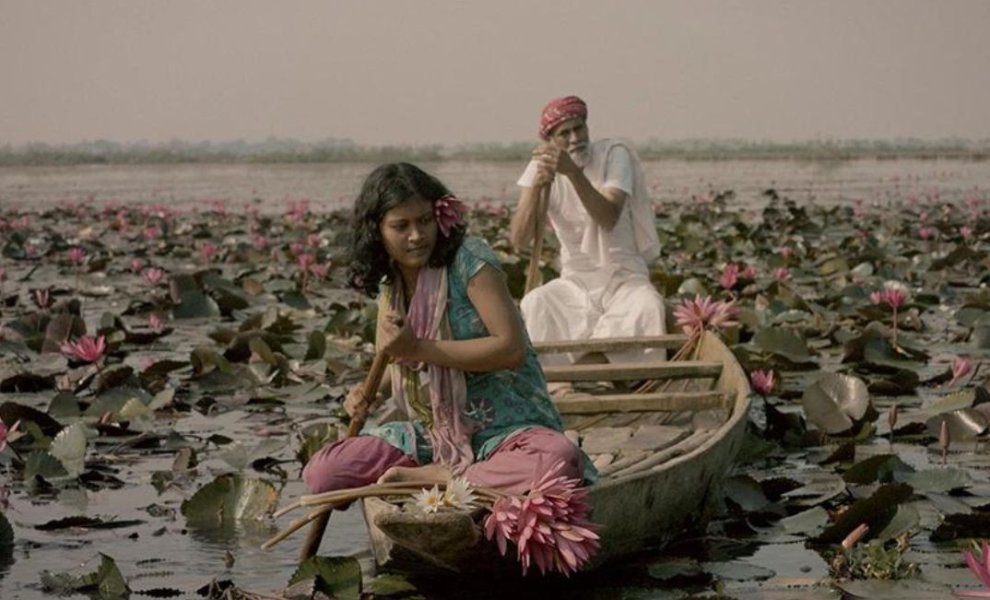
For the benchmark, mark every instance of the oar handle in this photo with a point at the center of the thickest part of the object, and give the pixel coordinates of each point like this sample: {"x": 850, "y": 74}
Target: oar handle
{"x": 369, "y": 391}
{"x": 533, "y": 278}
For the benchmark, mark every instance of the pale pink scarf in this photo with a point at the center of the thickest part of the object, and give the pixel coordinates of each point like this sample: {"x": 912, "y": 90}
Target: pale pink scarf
{"x": 451, "y": 429}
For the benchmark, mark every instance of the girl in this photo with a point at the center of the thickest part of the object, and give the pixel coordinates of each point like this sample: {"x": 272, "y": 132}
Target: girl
{"x": 463, "y": 369}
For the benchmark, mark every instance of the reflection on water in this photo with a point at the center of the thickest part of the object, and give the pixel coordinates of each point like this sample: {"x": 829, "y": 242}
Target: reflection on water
{"x": 162, "y": 551}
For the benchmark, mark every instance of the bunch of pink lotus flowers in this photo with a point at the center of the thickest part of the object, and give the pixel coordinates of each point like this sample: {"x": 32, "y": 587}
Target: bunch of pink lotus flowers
{"x": 694, "y": 316}
{"x": 548, "y": 525}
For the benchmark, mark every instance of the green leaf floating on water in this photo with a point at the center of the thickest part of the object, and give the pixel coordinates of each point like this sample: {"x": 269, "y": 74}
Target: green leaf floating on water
{"x": 836, "y": 402}
{"x": 784, "y": 343}
{"x": 6, "y": 532}
{"x": 69, "y": 447}
{"x": 230, "y": 497}
{"x": 106, "y": 582}
{"x": 336, "y": 576}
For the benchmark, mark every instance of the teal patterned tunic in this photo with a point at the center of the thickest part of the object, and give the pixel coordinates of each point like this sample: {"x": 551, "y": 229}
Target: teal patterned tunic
{"x": 503, "y": 402}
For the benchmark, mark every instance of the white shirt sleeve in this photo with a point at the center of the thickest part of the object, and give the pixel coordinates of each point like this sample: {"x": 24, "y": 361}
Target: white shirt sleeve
{"x": 618, "y": 170}
{"x": 528, "y": 178}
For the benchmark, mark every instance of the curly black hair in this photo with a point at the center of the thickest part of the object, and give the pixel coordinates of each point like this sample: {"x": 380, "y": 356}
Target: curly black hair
{"x": 385, "y": 188}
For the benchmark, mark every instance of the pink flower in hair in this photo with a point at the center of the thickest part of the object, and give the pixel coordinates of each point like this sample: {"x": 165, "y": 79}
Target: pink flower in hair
{"x": 449, "y": 212}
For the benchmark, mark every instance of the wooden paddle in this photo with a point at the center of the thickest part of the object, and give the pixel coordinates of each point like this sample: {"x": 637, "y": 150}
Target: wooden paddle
{"x": 369, "y": 392}
{"x": 533, "y": 276}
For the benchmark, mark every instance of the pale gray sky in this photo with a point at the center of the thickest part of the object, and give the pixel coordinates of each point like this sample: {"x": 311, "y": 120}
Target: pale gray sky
{"x": 453, "y": 71}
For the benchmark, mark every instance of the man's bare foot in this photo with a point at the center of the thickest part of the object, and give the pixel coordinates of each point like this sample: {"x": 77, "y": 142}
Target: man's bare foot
{"x": 432, "y": 473}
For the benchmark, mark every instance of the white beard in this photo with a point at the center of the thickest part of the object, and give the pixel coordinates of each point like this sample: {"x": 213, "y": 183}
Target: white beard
{"x": 581, "y": 158}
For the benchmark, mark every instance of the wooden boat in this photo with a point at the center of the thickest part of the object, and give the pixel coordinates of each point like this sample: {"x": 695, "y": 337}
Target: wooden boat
{"x": 662, "y": 455}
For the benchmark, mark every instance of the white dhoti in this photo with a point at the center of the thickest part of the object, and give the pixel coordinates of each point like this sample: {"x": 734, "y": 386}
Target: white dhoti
{"x": 583, "y": 307}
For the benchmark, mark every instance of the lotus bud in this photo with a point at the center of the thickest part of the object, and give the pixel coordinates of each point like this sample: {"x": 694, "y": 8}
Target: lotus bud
{"x": 855, "y": 536}
{"x": 943, "y": 440}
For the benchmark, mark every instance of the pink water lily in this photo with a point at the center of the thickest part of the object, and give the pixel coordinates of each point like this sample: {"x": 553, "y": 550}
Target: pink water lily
{"x": 762, "y": 381}
{"x": 781, "y": 273}
{"x": 5, "y": 433}
{"x": 548, "y": 525}
{"x": 320, "y": 270}
{"x": 730, "y": 276}
{"x": 208, "y": 251}
{"x": 155, "y": 323}
{"x": 980, "y": 566}
{"x": 136, "y": 265}
{"x": 449, "y": 213}
{"x": 87, "y": 348}
{"x": 694, "y": 316}
{"x": 42, "y": 297}
{"x": 305, "y": 261}
{"x": 76, "y": 255}
{"x": 961, "y": 366}
{"x": 153, "y": 275}
{"x": 261, "y": 242}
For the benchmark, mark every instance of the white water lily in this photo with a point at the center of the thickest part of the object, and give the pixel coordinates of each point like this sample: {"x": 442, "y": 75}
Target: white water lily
{"x": 459, "y": 494}
{"x": 429, "y": 500}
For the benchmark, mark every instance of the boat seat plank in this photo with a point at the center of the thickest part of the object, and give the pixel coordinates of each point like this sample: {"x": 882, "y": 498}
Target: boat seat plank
{"x": 581, "y": 404}
{"x": 633, "y": 371}
{"x": 672, "y": 341}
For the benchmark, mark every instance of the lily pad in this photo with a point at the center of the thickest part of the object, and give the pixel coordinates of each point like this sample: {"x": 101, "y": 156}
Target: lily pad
{"x": 6, "y": 533}
{"x": 882, "y": 468}
{"x": 884, "y": 589}
{"x": 875, "y": 511}
{"x": 230, "y": 497}
{"x": 339, "y": 576}
{"x": 810, "y": 522}
{"x": 965, "y": 424}
{"x": 69, "y": 447}
{"x": 665, "y": 570}
{"x": 941, "y": 480}
{"x": 784, "y": 343}
{"x": 836, "y": 402}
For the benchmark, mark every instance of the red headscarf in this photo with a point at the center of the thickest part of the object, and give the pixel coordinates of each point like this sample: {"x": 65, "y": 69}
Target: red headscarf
{"x": 559, "y": 110}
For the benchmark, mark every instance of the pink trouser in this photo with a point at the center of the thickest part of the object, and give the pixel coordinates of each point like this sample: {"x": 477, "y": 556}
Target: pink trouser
{"x": 513, "y": 467}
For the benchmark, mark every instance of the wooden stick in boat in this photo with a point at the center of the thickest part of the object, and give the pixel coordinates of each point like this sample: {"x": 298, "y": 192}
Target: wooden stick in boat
{"x": 533, "y": 278}
{"x": 370, "y": 389}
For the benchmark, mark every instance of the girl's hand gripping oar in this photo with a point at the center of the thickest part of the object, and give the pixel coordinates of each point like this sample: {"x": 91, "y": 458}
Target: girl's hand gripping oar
{"x": 369, "y": 394}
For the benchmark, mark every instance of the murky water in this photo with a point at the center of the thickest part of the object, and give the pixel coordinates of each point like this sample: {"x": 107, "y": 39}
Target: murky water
{"x": 161, "y": 551}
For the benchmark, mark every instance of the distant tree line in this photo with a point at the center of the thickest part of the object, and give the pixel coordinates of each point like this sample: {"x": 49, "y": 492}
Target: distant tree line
{"x": 278, "y": 150}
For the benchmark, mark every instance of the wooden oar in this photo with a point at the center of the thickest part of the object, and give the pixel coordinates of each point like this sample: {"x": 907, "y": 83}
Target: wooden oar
{"x": 370, "y": 390}
{"x": 533, "y": 276}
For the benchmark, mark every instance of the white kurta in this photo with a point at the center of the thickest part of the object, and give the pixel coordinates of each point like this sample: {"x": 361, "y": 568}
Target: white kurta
{"x": 604, "y": 289}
